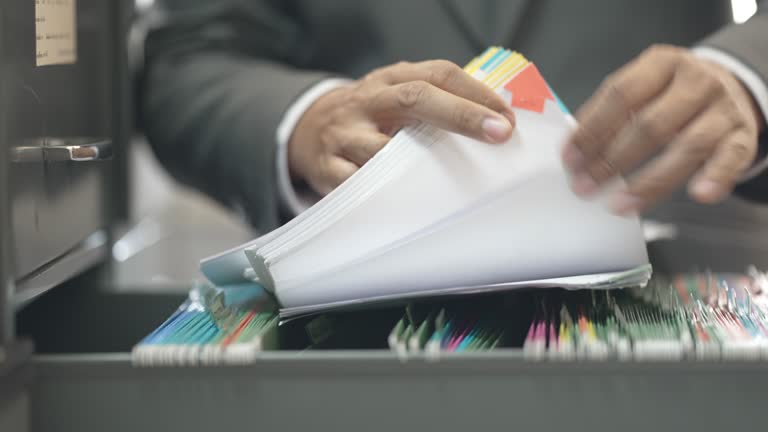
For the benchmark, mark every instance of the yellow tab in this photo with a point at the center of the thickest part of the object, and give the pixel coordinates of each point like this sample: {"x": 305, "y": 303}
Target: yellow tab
{"x": 501, "y": 67}
{"x": 484, "y": 58}
{"x": 511, "y": 66}
{"x": 508, "y": 74}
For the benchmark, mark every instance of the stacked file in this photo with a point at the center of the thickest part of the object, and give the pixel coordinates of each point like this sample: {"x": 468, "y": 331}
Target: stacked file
{"x": 698, "y": 316}
{"x": 212, "y": 328}
{"x": 695, "y": 316}
{"x": 454, "y": 327}
{"x": 435, "y": 214}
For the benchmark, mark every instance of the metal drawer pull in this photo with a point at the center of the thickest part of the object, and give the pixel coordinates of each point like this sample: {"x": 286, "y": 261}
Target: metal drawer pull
{"x": 59, "y": 150}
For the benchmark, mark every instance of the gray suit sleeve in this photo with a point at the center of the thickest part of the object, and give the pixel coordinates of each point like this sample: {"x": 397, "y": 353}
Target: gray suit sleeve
{"x": 748, "y": 42}
{"x": 217, "y": 77}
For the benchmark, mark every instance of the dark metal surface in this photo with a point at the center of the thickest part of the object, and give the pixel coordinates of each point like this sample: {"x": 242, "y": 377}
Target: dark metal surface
{"x": 85, "y": 255}
{"x": 15, "y": 399}
{"x": 6, "y": 275}
{"x": 377, "y": 392}
{"x": 117, "y": 204}
{"x": 16, "y": 375}
{"x": 13, "y": 356}
{"x": 57, "y": 203}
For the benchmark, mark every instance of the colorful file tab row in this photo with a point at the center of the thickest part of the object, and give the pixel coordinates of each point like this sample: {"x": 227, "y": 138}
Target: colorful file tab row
{"x": 521, "y": 80}
{"x": 207, "y": 330}
{"x": 700, "y": 316}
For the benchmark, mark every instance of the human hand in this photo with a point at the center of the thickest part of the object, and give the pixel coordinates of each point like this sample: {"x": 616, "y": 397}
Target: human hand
{"x": 682, "y": 118}
{"x": 346, "y": 127}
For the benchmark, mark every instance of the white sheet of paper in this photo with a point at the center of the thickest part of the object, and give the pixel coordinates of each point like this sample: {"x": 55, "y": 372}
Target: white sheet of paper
{"x": 382, "y": 247}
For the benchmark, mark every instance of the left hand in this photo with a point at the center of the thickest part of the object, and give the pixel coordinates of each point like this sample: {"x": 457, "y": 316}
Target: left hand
{"x": 682, "y": 118}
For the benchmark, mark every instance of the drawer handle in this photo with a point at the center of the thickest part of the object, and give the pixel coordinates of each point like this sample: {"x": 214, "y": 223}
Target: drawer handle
{"x": 60, "y": 150}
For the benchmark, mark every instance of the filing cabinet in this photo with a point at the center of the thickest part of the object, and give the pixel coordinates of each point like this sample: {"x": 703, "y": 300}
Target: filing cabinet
{"x": 61, "y": 130}
{"x": 59, "y": 137}
{"x": 62, "y": 71}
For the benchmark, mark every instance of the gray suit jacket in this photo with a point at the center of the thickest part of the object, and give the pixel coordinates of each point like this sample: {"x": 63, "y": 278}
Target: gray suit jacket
{"x": 219, "y": 74}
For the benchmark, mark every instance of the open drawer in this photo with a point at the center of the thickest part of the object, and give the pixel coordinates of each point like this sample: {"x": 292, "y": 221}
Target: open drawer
{"x": 374, "y": 391}
{"x": 85, "y": 382}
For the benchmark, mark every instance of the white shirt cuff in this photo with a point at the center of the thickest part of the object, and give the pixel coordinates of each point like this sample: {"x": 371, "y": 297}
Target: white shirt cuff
{"x": 751, "y": 81}
{"x": 298, "y": 201}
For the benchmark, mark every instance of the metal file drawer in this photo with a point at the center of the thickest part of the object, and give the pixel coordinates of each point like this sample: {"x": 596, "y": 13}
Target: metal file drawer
{"x": 55, "y": 206}
{"x": 85, "y": 380}
{"x": 374, "y": 391}
{"x": 93, "y": 387}
{"x": 59, "y": 135}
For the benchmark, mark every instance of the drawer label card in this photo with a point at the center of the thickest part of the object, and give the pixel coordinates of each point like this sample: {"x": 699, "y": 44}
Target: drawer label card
{"x": 56, "y": 32}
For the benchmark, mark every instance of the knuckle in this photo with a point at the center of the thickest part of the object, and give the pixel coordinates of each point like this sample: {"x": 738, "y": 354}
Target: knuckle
{"x": 616, "y": 89}
{"x": 345, "y": 145}
{"x": 359, "y": 99}
{"x": 663, "y": 52}
{"x": 373, "y": 75}
{"x": 588, "y": 140}
{"x": 689, "y": 63}
{"x": 330, "y": 131}
{"x": 382, "y": 73}
{"x": 727, "y": 118}
{"x": 326, "y": 136}
{"x": 650, "y": 187}
{"x": 699, "y": 148}
{"x": 737, "y": 116}
{"x": 467, "y": 119}
{"x": 359, "y": 96}
{"x": 740, "y": 150}
{"x": 412, "y": 93}
{"x": 611, "y": 80}
{"x": 442, "y": 72}
{"x": 710, "y": 84}
{"x": 602, "y": 169}
{"x": 376, "y": 74}
{"x": 651, "y": 126}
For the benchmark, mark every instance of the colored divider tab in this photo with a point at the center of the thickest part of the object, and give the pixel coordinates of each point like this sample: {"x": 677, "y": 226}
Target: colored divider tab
{"x": 529, "y": 90}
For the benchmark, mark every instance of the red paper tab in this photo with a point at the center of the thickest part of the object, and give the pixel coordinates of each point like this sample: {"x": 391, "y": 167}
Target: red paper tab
{"x": 529, "y": 90}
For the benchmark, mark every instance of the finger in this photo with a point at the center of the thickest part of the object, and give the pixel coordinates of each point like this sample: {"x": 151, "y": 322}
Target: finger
{"x": 654, "y": 126}
{"x": 682, "y": 158}
{"x": 719, "y": 175}
{"x": 449, "y": 77}
{"x": 615, "y": 101}
{"x": 360, "y": 145}
{"x": 337, "y": 171}
{"x": 424, "y": 102}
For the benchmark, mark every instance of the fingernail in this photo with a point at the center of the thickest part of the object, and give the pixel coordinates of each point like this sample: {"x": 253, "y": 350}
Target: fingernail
{"x": 583, "y": 184}
{"x": 624, "y": 204}
{"x": 572, "y": 156}
{"x": 708, "y": 190}
{"x": 497, "y": 129}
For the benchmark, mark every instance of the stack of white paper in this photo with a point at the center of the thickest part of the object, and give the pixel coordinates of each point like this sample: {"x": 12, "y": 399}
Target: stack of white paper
{"x": 437, "y": 213}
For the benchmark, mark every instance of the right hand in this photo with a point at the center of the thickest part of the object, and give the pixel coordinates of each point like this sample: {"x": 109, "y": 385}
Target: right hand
{"x": 346, "y": 127}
